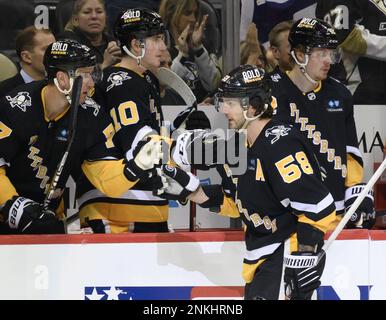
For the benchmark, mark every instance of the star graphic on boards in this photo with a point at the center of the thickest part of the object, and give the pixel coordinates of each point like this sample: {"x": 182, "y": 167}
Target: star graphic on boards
{"x": 94, "y": 295}
{"x": 113, "y": 293}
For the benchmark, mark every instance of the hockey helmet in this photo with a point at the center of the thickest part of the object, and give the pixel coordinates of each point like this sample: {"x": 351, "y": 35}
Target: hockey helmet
{"x": 67, "y": 55}
{"x": 137, "y": 23}
{"x": 247, "y": 83}
{"x": 312, "y": 33}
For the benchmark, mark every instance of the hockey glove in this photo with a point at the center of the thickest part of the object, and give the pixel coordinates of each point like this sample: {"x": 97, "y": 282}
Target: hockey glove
{"x": 301, "y": 281}
{"x": 176, "y": 183}
{"x": 139, "y": 162}
{"x": 195, "y": 148}
{"x": 364, "y": 215}
{"x": 28, "y": 216}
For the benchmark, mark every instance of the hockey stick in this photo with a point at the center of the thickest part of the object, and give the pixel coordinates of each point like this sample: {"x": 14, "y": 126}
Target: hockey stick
{"x": 354, "y": 206}
{"x": 75, "y": 96}
{"x": 172, "y": 80}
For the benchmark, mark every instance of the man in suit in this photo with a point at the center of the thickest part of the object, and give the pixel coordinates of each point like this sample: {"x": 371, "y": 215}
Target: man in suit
{"x": 31, "y": 44}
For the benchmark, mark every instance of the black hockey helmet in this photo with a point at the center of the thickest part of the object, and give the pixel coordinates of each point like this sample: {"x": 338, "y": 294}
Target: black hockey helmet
{"x": 138, "y": 23}
{"x": 250, "y": 84}
{"x": 312, "y": 33}
{"x": 67, "y": 55}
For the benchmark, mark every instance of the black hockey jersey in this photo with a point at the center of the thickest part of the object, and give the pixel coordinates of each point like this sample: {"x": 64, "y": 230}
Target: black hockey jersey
{"x": 133, "y": 102}
{"x": 280, "y": 193}
{"x": 361, "y": 29}
{"x": 31, "y": 146}
{"x": 325, "y": 117}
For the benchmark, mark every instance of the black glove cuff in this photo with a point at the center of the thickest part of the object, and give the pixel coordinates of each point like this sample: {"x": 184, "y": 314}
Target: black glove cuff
{"x": 133, "y": 172}
{"x": 308, "y": 235}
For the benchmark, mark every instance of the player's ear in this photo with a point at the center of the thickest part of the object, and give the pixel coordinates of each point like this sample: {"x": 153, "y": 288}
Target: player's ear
{"x": 63, "y": 79}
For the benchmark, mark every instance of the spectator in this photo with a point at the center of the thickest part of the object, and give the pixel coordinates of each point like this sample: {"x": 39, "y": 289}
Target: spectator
{"x": 31, "y": 44}
{"x": 361, "y": 31}
{"x": 88, "y": 25}
{"x": 191, "y": 60}
{"x": 251, "y": 52}
{"x": 280, "y": 47}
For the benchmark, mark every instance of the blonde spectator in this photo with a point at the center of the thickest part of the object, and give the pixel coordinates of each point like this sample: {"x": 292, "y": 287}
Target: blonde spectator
{"x": 88, "y": 25}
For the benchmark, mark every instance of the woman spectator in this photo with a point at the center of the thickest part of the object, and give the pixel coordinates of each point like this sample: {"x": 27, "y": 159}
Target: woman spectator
{"x": 191, "y": 61}
{"x": 88, "y": 25}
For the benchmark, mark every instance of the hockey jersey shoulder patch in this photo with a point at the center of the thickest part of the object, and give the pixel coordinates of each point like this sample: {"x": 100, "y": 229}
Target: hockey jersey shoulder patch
{"x": 276, "y": 132}
{"x": 22, "y": 100}
{"x": 116, "y": 79}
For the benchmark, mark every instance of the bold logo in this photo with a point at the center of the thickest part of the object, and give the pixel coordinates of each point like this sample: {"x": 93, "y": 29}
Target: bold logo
{"x": 251, "y": 75}
{"x": 307, "y": 23}
{"x": 277, "y": 132}
{"x": 22, "y": 100}
{"x": 132, "y": 16}
{"x": 382, "y": 26}
{"x": 117, "y": 79}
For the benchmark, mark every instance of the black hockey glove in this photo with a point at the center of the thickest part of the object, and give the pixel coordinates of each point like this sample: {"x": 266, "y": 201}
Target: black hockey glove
{"x": 141, "y": 159}
{"x": 176, "y": 183}
{"x": 302, "y": 274}
{"x": 364, "y": 215}
{"x": 28, "y": 216}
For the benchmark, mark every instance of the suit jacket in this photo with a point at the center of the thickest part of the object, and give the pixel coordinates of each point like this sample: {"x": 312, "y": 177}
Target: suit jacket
{"x": 11, "y": 83}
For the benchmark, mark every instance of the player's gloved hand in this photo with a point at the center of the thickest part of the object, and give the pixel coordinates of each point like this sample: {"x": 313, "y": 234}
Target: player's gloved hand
{"x": 142, "y": 158}
{"x": 176, "y": 184}
{"x": 193, "y": 147}
{"x": 364, "y": 215}
{"x": 28, "y": 216}
{"x": 302, "y": 274}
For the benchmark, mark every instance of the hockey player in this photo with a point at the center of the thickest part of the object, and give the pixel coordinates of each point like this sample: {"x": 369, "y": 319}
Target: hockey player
{"x": 130, "y": 92}
{"x": 281, "y": 198}
{"x": 34, "y": 130}
{"x": 322, "y": 109}
{"x": 361, "y": 30}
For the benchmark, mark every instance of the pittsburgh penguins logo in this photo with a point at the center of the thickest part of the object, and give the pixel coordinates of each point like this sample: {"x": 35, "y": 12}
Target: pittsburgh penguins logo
{"x": 277, "y": 132}
{"x": 90, "y": 103}
{"x": 116, "y": 79}
{"x": 22, "y": 100}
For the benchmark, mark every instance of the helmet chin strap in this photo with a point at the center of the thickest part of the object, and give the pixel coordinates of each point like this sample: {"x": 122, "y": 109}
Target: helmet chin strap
{"x": 138, "y": 58}
{"x": 303, "y": 67}
{"x": 248, "y": 120}
{"x": 67, "y": 93}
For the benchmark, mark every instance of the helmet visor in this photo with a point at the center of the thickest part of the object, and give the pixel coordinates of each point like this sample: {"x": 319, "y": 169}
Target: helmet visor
{"x": 334, "y": 55}
{"x": 223, "y": 103}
